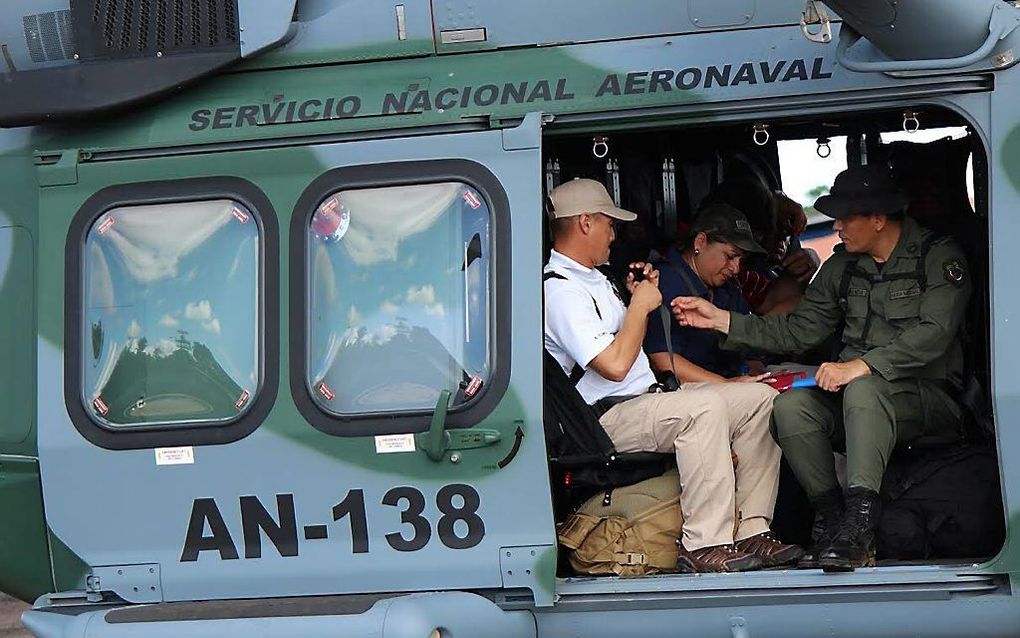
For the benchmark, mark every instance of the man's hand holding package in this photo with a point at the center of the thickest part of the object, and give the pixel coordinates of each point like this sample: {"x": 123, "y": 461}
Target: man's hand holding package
{"x": 833, "y": 376}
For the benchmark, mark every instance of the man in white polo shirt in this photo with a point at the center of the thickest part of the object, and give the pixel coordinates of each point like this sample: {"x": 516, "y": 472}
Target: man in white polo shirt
{"x": 727, "y": 509}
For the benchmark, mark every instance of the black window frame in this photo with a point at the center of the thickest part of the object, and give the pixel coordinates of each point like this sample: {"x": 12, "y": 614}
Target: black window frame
{"x": 174, "y": 192}
{"x": 410, "y": 173}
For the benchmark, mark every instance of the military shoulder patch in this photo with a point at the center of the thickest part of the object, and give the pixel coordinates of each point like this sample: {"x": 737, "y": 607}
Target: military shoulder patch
{"x": 953, "y": 271}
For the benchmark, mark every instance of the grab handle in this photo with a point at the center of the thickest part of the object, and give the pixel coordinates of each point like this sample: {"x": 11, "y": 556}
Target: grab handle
{"x": 1004, "y": 20}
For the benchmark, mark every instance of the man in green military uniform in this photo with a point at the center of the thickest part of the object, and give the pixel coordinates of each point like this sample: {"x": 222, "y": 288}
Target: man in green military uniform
{"x": 898, "y": 292}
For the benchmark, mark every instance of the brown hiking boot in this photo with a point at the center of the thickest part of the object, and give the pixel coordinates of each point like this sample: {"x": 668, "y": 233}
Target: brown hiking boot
{"x": 771, "y": 552}
{"x": 717, "y": 558}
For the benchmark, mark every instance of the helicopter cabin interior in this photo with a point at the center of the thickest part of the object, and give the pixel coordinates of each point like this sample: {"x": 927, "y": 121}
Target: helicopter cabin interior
{"x": 663, "y": 173}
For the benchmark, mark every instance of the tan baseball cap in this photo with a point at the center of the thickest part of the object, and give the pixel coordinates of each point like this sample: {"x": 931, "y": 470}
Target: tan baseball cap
{"x": 584, "y": 196}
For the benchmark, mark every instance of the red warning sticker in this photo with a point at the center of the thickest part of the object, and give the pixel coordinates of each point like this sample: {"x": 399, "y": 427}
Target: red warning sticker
{"x": 240, "y": 215}
{"x": 472, "y": 200}
{"x": 242, "y": 400}
{"x": 331, "y": 220}
{"x": 100, "y": 406}
{"x": 473, "y": 387}
{"x": 325, "y": 391}
{"x": 330, "y": 204}
{"x": 105, "y": 225}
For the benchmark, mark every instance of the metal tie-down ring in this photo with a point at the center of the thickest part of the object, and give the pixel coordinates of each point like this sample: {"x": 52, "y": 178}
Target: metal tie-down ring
{"x": 823, "y": 150}
{"x": 910, "y": 122}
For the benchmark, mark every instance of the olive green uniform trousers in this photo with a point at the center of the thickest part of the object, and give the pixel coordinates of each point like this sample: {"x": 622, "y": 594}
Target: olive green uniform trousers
{"x": 902, "y": 318}
{"x": 867, "y": 420}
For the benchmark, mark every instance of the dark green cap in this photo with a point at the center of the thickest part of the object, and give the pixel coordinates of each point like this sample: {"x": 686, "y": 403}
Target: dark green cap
{"x": 724, "y": 222}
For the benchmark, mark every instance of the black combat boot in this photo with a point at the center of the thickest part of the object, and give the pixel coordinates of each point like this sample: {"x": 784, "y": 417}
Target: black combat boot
{"x": 828, "y": 516}
{"x": 854, "y": 544}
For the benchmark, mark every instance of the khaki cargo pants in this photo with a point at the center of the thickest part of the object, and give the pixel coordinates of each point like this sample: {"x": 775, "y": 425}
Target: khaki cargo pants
{"x": 702, "y": 423}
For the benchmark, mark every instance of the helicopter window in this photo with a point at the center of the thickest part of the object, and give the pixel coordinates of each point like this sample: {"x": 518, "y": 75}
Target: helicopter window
{"x": 399, "y": 297}
{"x": 171, "y": 309}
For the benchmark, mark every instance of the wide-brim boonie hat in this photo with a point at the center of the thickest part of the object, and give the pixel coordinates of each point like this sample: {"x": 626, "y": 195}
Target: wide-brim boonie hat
{"x": 580, "y": 196}
{"x": 862, "y": 190}
{"x": 728, "y": 224}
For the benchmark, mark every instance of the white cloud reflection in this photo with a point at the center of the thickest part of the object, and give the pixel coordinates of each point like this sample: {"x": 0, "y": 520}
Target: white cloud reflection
{"x": 383, "y": 217}
{"x": 354, "y": 317}
{"x": 100, "y": 282}
{"x": 423, "y": 295}
{"x": 212, "y": 326}
{"x": 153, "y": 239}
{"x": 201, "y": 311}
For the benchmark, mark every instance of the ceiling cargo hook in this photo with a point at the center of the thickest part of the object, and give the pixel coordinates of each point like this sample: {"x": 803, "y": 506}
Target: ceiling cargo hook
{"x": 761, "y": 134}
{"x": 600, "y": 147}
{"x": 910, "y": 122}
{"x": 815, "y": 14}
{"x": 824, "y": 149}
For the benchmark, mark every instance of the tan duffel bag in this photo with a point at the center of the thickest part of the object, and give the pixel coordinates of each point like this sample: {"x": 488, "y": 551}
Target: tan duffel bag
{"x": 636, "y": 534}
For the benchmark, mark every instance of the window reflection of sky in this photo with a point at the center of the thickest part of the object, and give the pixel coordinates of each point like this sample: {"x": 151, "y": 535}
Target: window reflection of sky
{"x": 388, "y": 318}
{"x": 162, "y": 277}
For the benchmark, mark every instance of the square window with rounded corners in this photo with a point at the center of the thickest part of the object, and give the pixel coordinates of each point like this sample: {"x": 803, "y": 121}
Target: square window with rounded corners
{"x": 399, "y": 298}
{"x": 171, "y": 314}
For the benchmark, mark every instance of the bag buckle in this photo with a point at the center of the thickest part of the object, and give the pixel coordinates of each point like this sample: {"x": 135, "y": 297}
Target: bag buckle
{"x": 631, "y": 558}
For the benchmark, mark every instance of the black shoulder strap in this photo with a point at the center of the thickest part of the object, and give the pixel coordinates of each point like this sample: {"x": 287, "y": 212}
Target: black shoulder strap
{"x": 849, "y": 270}
{"x": 920, "y": 274}
{"x": 922, "y": 257}
{"x": 683, "y": 275}
{"x": 577, "y": 371}
{"x": 555, "y": 275}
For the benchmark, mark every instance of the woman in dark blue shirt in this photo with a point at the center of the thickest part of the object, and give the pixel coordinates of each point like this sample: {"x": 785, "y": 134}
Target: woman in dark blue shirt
{"x": 704, "y": 266}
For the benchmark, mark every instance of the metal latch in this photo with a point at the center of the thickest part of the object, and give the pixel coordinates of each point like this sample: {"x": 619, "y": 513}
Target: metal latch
{"x": 438, "y": 441}
{"x": 815, "y": 14}
{"x": 60, "y": 167}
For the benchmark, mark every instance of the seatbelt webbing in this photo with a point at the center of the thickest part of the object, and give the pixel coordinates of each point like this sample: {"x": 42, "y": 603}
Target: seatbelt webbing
{"x": 667, "y": 324}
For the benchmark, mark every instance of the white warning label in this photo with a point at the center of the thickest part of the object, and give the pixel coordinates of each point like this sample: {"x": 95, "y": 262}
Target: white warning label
{"x": 394, "y": 443}
{"x": 175, "y": 455}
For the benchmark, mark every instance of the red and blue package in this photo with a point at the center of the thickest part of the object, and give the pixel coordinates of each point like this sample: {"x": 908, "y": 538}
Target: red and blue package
{"x": 784, "y": 380}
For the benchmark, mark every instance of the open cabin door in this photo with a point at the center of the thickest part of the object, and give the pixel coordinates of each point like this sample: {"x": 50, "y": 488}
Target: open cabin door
{"x": 327, "y": 359}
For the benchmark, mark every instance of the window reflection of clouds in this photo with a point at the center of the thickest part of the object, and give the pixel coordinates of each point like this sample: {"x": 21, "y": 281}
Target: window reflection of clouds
{"x": 387, "y": 312}
{"x": 381, "y": 218}
{"x": 172, "y": 307}
{"x": 152, "y": 243}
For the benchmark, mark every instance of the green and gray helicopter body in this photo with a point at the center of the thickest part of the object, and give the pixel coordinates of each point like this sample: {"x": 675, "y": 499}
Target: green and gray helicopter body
{"x": 268, "y": 412}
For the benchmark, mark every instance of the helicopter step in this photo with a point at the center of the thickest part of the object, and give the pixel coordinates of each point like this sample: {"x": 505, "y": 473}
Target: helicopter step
{"x": 402, "y": 616}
